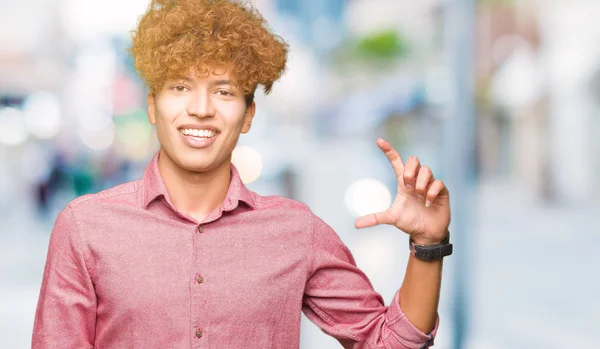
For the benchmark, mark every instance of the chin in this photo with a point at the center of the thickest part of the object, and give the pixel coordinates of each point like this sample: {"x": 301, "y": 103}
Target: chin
{"x": 194, "y": 160}
{"x": 199, "y": 163}
{"x": 196, "y": 165}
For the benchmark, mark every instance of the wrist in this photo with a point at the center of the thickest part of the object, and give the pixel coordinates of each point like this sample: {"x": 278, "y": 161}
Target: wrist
{"x": 428, "y": 242}
{"x": 428, "y": 251}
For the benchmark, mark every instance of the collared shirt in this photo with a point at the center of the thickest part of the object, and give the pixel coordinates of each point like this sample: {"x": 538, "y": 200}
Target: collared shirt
{"x": 125, "y": 269}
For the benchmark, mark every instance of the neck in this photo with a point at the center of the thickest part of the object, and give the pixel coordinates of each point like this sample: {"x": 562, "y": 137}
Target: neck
{"x": 196, "y": 194}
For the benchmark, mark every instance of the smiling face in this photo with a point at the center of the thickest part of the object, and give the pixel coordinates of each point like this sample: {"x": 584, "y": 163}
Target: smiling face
{"x": 199, "y": 119}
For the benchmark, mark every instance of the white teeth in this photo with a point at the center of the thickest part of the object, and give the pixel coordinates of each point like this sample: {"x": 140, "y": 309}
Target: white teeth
{"x": 198, "y": 133}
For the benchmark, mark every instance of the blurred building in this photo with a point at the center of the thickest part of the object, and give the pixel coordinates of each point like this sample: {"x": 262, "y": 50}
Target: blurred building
{"x": 538, "y": 120}
{"x": 73, "y": 121}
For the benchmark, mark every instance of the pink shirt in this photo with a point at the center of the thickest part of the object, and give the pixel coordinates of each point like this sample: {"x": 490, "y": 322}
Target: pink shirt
{"x": 125, "y": 269}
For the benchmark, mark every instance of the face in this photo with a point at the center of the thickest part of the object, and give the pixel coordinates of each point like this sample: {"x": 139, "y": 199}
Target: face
{"x": 199, "y": 119}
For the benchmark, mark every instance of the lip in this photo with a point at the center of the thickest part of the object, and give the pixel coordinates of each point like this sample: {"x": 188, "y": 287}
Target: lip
{"x": 198, "y": 142}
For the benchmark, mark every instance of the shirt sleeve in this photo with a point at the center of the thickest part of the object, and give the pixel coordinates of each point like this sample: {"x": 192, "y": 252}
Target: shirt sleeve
{"x": 66, "y": 309}
{"x": 340, "y": 299}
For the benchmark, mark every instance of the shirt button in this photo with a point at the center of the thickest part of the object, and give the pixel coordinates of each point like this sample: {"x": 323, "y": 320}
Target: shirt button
{"x": 199, "y": 279}
{"x": 199, "y": 334}
{"x": 200, "y": 229}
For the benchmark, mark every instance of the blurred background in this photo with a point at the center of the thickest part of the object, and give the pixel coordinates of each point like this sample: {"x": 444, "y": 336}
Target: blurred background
{"x": 500, "y": 98}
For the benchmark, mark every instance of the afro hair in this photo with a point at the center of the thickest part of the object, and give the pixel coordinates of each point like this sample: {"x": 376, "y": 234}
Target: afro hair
{"x": 175, "y": 37}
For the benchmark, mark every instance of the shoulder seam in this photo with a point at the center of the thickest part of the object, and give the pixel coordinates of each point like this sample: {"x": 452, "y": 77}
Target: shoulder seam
{"x": 80, "y": 241}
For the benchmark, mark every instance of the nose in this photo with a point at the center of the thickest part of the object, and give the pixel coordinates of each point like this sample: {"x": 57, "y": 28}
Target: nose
{"x": 200, "y": 105}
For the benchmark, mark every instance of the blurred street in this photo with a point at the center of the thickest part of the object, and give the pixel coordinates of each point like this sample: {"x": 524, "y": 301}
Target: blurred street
{"x": 500, "y": 95}
{"x": 535, "y": 266}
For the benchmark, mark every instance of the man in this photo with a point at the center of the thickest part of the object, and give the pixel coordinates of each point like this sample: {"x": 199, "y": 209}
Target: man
{"x": 188, "y": 257}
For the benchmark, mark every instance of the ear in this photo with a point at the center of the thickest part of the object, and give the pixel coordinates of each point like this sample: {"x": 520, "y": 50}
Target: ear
{"x": 151, "y": 108}
{"x": 248, "y": 116}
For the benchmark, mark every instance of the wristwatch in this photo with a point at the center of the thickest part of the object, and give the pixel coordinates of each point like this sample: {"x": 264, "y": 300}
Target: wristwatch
{"x": 431, "y": 252}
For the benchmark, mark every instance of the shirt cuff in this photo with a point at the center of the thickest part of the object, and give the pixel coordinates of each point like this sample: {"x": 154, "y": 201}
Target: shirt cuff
{"x": 412, "y": 337}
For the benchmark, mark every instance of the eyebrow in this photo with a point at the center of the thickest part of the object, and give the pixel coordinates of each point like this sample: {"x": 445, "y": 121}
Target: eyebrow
{"x": 223, "y": 82}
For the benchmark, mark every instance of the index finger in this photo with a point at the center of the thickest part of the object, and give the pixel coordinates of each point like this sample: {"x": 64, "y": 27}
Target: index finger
{"x": 392, "y": 155}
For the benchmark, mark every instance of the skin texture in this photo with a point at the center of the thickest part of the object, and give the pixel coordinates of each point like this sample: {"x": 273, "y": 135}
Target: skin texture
{"x": 201, "y": 100}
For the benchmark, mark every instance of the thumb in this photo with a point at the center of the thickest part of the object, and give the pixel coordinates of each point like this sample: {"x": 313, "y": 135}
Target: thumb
{"x": 371, "y": 220}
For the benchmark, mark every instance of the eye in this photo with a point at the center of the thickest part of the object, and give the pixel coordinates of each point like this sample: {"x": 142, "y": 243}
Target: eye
{"x": 224, "y": 93}
{"x": 179, "y": 88}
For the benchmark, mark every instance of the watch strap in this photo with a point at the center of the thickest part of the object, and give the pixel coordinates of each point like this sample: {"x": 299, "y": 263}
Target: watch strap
{"x": 432, "y": 252}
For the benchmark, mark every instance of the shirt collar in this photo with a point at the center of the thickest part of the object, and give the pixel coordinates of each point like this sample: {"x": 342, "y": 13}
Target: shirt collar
{"x": 154, "y": 187}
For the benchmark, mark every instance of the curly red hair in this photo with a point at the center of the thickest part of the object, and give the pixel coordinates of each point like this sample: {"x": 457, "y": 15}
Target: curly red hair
{"x": 174, "y": 37}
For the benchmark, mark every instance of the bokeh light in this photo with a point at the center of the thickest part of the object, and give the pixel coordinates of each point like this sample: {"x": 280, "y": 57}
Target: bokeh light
{"x": 13, "y": 129}
{"x": 100, "y": 138}
{"x": 73, "y": 121}
{"x": 42, "y": 114}
{"x": 367, "y": 196}
{"x": 94, "y": 120}
{"x": 248, "y": 162}
{"x": 134, "y": 135}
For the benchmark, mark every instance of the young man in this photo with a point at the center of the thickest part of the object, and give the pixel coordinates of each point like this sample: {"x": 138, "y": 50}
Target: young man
{"x": 188, "y": 257}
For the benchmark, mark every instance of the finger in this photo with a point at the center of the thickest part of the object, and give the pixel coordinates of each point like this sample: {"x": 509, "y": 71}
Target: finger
{"x": 372, "y": 220}
{"x": 436, "y": 189}
{"x": 411, "y": 169}
{"x": 424, "y": 179}
{"x": 392, "y": 156}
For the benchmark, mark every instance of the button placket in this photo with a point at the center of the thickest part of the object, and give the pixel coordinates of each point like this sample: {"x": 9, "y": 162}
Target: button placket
{"x": 198, "y": 278}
